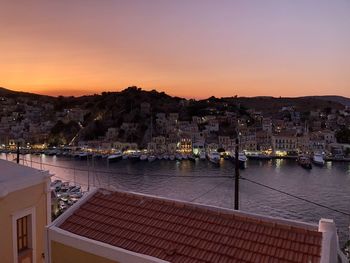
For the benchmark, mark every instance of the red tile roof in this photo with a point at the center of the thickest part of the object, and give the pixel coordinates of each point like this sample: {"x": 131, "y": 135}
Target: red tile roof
{"x": 181, "y": 232}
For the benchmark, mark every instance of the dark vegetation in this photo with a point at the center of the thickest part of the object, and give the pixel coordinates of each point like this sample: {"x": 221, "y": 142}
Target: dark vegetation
{"x": 63, "y": 133}
{"x": 343, "y": 135}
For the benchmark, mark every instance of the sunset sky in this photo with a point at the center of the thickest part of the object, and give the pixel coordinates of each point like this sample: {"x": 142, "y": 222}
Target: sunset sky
{"x": 190, "y": 48}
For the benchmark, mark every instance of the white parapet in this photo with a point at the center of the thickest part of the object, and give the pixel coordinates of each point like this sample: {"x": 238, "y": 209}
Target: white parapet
{"x": 330, "y": 248}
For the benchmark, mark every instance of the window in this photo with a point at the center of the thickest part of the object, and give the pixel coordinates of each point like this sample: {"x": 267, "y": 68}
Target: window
{"x": 22, "y": 233}
{"x": 23, "y": 236}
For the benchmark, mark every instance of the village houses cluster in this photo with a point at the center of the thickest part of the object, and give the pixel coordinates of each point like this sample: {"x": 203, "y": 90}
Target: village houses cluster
{"x": 283, "y": 133}
{"x": 30, "y": 121}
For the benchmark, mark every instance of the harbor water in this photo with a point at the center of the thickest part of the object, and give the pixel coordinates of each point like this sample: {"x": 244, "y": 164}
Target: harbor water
{"x": 206, "y": 183}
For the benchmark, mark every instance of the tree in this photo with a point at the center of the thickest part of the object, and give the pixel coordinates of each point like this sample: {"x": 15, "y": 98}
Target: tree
{"x": 347, "y": 152}
{"x": 62, "y": 132}
{"x": 343, "y": 135}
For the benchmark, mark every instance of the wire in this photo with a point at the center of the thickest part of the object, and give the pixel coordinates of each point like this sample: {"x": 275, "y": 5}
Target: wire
{"x": 207, "y": 192}
{"x": 124, "y": 173}
{"x": 295, "y": 196}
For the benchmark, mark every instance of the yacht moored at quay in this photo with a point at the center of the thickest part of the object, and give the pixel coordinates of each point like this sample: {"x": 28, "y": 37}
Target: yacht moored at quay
{"x": 304, "y": 161}
{"x": 214, "y": 157}
{"x": 318, "y": 159}
{"x": 115, "y": 157}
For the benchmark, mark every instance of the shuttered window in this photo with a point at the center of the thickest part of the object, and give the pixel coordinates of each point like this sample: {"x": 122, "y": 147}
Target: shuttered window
{"x": 22, "y": 233}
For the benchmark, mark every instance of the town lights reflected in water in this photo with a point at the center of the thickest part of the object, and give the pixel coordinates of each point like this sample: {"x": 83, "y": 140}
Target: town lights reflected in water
{"x": 279, "y": 163}
{"x": 329, "y": 165}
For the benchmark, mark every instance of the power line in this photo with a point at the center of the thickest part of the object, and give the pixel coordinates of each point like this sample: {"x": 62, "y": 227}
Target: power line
{"x": 295, "y": 196}
{"x": 124, "y": 173}
{"x": 207, "y": 192}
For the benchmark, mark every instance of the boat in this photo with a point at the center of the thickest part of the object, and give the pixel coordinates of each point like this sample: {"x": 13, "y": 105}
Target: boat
{"x": 172, "y": 157}
{"x": 151, "y": 158}
{"x": 135, "y": 155}
{"x": 97, "y": 156}
{"x": 227, "y": 156}
{"x": 56, "y": 185}
{"x": 115, "y": 157}
{"x": 214, "y": 157}
{"x": 191, "y": 157}
{"x": 143, "y": 157}
{"x": 318, "y": 159}
{"x": 160, "y": 157}
{"x": 304, "y": 161}
{"x": 64, "y": 187}
{"x": 259, "y": 156}
{"x": 242, "y": 158}
{"x": 74, "y": 189}
{"x": 83, "y": 155}
{"x": 76, "y": 195}
{"x": 51, "y": 152}
{"x": 184, "y": 156}
{"x": 178, "y": 157}
{"x": 166, "y": 157}
{"x": 202, "y": 155}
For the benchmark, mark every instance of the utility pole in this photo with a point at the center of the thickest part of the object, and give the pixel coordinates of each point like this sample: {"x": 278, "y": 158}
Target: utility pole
{"x": 87, "y": 161}
{"x": 17, "y": 159}
{"x": 236, "y": 176}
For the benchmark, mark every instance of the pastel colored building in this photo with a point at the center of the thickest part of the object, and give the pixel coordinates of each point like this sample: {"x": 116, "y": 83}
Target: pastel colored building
{"x": 25, "y": 210}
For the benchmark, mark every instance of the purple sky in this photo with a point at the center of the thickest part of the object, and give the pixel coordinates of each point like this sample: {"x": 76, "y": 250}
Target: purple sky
{"x": 192, "y": 48}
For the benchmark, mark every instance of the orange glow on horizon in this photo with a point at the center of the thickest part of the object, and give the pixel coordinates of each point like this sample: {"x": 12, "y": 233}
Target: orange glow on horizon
{"x": 242, "y": 48}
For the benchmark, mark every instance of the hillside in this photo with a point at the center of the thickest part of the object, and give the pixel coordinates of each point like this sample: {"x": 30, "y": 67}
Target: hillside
{"x": 271, "y": 105}
{"x": 161, "y": 102}
{"x": 13, "y": 94}
{"x": 339, "y": 99}
{"x": 115, "y": 109}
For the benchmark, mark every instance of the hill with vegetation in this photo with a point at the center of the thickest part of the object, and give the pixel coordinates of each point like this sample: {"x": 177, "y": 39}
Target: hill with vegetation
{"x": 339, "y": 99}
{"x": 112, "y": 109}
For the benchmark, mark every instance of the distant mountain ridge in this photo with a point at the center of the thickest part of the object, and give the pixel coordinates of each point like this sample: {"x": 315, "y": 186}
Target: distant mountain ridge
{"x": 339, "y": 99}
{"x": 335, "y": 98}
{"x": 12, "y": 93}
{"x": 263, "y": 103}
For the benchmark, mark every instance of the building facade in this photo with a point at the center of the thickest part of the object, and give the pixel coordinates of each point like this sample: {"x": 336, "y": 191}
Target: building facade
{"x": 25, "y": 210}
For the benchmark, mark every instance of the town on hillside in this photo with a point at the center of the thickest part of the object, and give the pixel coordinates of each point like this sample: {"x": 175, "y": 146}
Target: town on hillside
{"x": 136, "y": 122}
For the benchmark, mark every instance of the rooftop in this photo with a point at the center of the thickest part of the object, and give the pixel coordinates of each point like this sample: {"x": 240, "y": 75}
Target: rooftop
{"x": 176, "y": 231}
{"x": 14, "y": 177}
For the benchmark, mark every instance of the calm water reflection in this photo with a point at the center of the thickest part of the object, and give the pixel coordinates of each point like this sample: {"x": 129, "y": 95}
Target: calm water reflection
{"x": 328, "y": 185}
